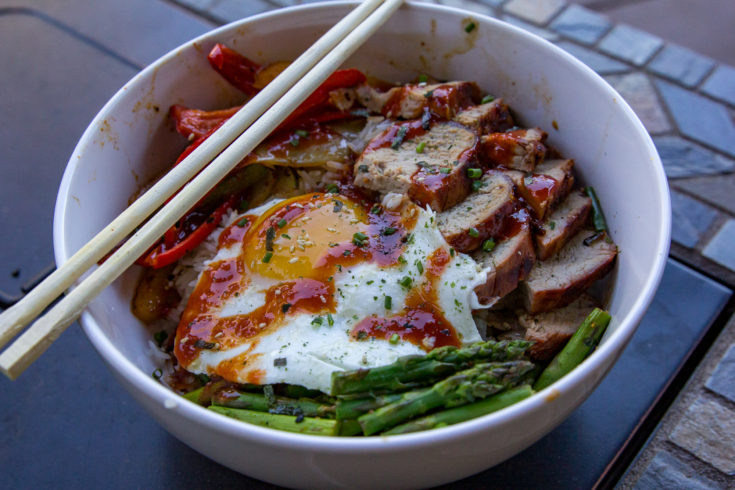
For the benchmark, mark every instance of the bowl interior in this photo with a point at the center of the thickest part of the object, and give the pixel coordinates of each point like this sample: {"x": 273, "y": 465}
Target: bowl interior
{"x": 131, "y": 141}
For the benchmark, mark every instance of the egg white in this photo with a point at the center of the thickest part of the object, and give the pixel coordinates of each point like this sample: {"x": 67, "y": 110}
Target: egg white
{"x": 308, "y": 353}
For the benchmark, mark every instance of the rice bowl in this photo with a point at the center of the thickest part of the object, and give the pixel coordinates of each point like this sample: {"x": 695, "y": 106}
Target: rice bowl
{"x": 560, "y": 86}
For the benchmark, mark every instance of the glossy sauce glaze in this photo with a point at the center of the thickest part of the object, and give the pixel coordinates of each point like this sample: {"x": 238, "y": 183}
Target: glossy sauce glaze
{"x": 421, "y": 322}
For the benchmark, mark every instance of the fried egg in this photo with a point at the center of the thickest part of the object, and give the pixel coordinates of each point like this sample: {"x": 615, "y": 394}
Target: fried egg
{"x": 324, "y": 282}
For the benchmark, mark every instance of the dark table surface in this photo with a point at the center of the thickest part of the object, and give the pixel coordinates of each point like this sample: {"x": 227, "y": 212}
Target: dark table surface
{"x": 66, "y": 422}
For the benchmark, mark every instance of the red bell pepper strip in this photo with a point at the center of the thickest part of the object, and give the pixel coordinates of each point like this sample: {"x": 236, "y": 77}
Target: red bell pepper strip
{"x": 162, "y": 255}
{"x": 198, "y": 123}
{"x": 234, "y": 67}
{"x": 320, "y": 97}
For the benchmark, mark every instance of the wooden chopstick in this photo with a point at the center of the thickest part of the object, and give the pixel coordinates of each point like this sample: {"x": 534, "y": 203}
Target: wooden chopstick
{"x": 350, "y": 33}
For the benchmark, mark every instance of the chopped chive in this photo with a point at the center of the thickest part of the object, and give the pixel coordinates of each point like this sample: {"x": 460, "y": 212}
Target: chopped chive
{"x": 286, "y": 236}
{"x": 429, "y": 94}
{"x": 474, "y": 173}
{"x": 398, "y": 139}
{"x": 473, "y": 232}
{"x": 282, "y": 223}
{"x": 285, "y": 307}
{"x": 157, "y": 374}
{"x": 402, "y": 259}
{"x": 317, "y": 320}
{"x": 420, "y": 147}
{"x": 242, "y": 222}
{"x": 477, "y": 185}
{"x": 362, "y": 335}
{"x": 332, "y": 188}
{"x": 488, "y": 245}
{"x": 406, "y": 282}
{"x": 445, "y": 170}
{"x": 330, "y": 320}
{"x": 388, "y": 302}
{"x": 394, "y": 338}
{"x": 470, "y": 27}
{"x": 267, "y": 257}
{"x": 552, "y": 225}
{"x": 451, "y": 252}
{"x": 423, "y": 78}
{"x": 419, "y": 266}
{"x": 488, "y": 98}
{"x": 389, "y": 230}
{"x": 301, "y": 132}
{"x": 376, "y": 209}
{"x": 359, "y": 239}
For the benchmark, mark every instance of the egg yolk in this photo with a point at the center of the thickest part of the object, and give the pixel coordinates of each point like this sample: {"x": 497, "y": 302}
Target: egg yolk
{"x": 289, "y": 239}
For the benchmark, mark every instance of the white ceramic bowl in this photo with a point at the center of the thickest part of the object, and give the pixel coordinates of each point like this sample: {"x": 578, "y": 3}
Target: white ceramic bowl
{"x": 130, "y": 141}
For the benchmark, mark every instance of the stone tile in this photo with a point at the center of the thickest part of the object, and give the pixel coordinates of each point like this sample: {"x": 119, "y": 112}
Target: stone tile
{"x": 681, "y": 64}
{"x": 604, "y": 65}
{"x": 539, "y": 31}
{"x": 469, "y": 5}
{"x": 722, "y": 380}
{"x": 707, "y": 430}
{"x": 717, "y": 190}
{"x": 581, "y": 24}
{"x": 232, "y": 10}
{"x": 630, "y": 44}
{"x": 699, "y": 117}
{"x": 637, "y": 90}
{"x": 721, "y": 84}
{"x": 536, "y": 11}
{"x": 665, "y": 472}
{"x": 682, "y": 158}
{"x": 721, "y": 249}
{"x": 690, "y": 219}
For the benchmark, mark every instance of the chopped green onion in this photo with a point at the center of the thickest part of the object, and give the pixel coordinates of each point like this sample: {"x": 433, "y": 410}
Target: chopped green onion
{"x": 474, "y": 173}
{"x": 406, "y": 282}
{"x": 488, "y": 98}
{"x": 445, "y": 170}
{"x": 388, "y": 302}
{"x": 359, "y": 239}
{"x": 477, "y": 185}
{"x": 302, "y": 133}
{"x": 423, "y": 78}
{"x": 282, "y": 223}
{"x": 157, "y": 374}
{"x": 317, "y": 320}
{"x": 388, "y": 231}
{"x": 242, "y": 222}
{"x": 398, "y": 139}
{"x": 598, "y": 218}
{"x": 470, "y": 27}
{"x": 419, "y": 266}
{"x": 394, "y": 338}
{"x": 294, "y": 141}
{"x": 402, "y": 259}
{"x": 267, "y": 257}
{"x": 488, "y": 245}
{"x": 552, "y": 225}
{"x": 376, "y": 209}
{"x": 420, "y": 147}
{"x": 286, "y": 236}
{"x": 428, "y": 94}
{"x": 332, "y": 188}
{"x": 473, "y": 232}
{"x": 451, "y": 252}
{"x": 330, "y": 320}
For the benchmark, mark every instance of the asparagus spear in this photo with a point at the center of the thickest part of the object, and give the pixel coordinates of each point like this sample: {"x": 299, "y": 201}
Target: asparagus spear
{"x": 411, "y": 371}
{"x": 579, "y": 346}
{"x": 349, "y": 428}
{"x": 465, "y": 412}
{"x": 194, "y": 396}
{"x": 279, "y": 405}
{"x": 461, "y": 388}
{"x": 351, "y": 409}
{"x": 303, "y": 425}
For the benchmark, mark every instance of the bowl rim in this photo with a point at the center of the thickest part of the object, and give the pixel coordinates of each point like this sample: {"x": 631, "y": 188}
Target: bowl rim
{"x": 160, "y": 393}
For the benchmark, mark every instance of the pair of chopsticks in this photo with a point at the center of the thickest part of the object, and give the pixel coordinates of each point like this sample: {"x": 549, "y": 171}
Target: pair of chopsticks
{"x": 237, "y": 137}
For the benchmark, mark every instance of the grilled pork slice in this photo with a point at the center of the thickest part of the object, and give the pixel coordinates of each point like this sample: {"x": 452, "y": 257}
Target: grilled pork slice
{"x": 486, "y": 118}
{"x": 551, "y": 330}
{"x": 558, "y": 281}
{"x": 480, "y": 216}
{"x": 562, "y": 224}
{"x": 436, "y": 177}
{"x": 520, "y": 149}
{"x": 507, "y": 264}
{"x": 548, "y": 185}
{"x": 409, "y": 101}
